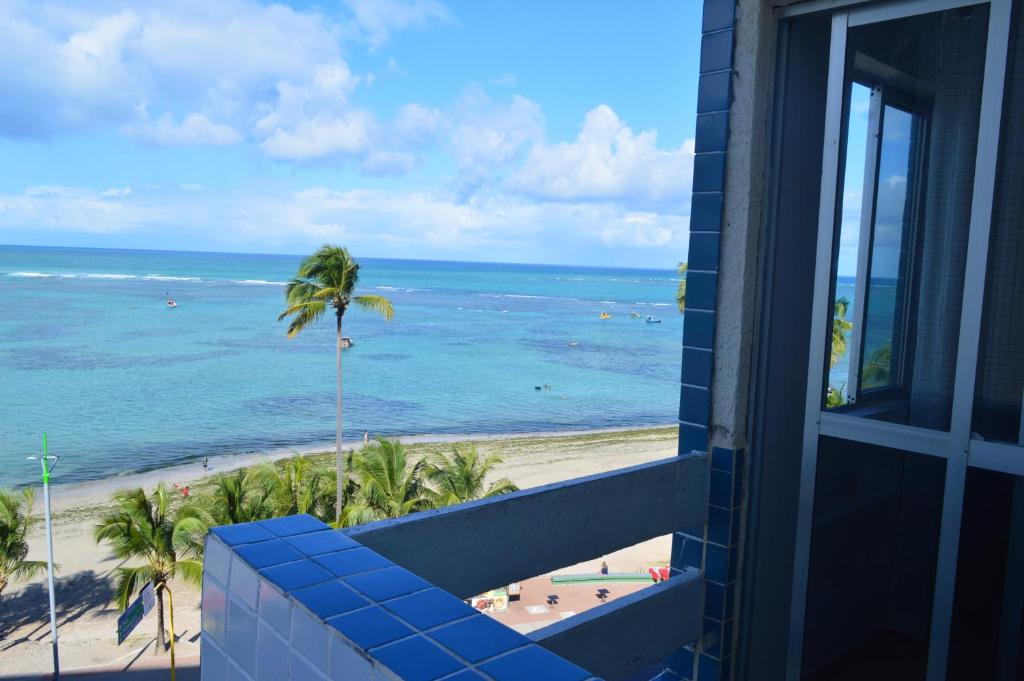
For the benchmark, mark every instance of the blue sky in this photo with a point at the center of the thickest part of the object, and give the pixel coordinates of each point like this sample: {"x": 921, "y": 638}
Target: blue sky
{"x": 526, "y": 131}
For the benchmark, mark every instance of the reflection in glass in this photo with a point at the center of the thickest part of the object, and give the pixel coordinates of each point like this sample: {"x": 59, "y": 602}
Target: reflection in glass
{"x": 911, "y": 126}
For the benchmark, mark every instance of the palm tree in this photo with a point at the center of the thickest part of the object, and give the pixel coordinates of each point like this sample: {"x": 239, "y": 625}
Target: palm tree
{"x": 329, "y": 278}
{"x": 877, "y": 368}
{"x": 462, "y": 476}
{"x": 390, "y": 485}
{"x": 16, "y": 521}
{"x": 243, "y": 496}
{"x": 301, "y": 487}
{"x": 840, "y": 327}
{"x": 681, "y": 289}
{"x": 167, "y": 539}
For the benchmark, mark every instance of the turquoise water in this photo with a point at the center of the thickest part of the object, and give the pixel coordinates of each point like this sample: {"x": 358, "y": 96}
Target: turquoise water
{"x": 90, "y": 353}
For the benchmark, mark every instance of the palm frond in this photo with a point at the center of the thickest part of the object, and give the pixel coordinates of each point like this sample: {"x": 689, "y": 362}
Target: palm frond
{"x": 378, "y": 304}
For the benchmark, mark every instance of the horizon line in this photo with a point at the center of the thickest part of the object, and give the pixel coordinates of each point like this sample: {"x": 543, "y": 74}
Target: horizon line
{"x": 298, "y": 255}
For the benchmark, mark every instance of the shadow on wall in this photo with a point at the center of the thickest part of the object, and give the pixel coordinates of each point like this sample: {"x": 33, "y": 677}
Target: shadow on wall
{"x": 189, "y": 672}
{"x": 30, "y": 606}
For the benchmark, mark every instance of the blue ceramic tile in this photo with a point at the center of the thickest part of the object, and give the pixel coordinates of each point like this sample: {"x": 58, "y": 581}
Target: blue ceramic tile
{"x": 275, "y": 608}
{"x": 329, "y": 598}
{"x": 709, "y": 669}
{"x": 681, "y": 662}
{"x": 718, "y": 14}
{"x": 698, "y": 328}
{"x": 713, "y": 91}
{"x": 351, "y": 561}
{"x": 706, "y": 212}
{"x": 245, "y": 533}
{"x": 708, "y": 176}
{"x": 719, "y": 525}
{"x": 267, "y": 553}
{"x": 429, "y": 608}
{"x": 720, "y": 489}
{"x": 701, "y": 289}
{"x": 478, "y": 638}
{"x": 694, "y": 405}
{"x": 327, "y": 541}
{"x": 215, "y": 661}
{"x": 716, "y": 559}
{"x": 703, "y": 251}
{"x": 289, "y": 525}
{"x": 242, "y": 636}
{"x": 533, "y": 663}
{"x": 291, "y": 576}
{"x": 214, "y": 612}
{"x": 721, "y": 459}
{"x": 309, "y": 637}
{"x": 692, "y": 438}
{"x": 271, "y": 655}
{"x": 716, "y": 51}
{"x": 714, "y": 600}
{"x": 417, "y": 659}
{"x": 391, "y": 582}
{"x": 467, "y": 675}
{"x": 697, "y": 366}
{"x": 369, "y": 627}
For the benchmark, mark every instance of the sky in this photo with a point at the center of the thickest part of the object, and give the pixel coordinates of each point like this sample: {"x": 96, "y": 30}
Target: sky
{"x": 524, "y": 131}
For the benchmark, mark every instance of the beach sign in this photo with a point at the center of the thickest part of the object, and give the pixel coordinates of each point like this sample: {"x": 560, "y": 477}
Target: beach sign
{"x": 134, "y": 613}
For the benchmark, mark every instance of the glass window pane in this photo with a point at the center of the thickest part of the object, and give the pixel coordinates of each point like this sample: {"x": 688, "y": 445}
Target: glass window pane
{"x": 1000, "y": 379}
{"x": 911, "y": 128}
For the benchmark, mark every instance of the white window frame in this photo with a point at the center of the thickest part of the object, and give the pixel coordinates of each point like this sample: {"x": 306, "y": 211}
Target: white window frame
{"x": 955, "y": 446}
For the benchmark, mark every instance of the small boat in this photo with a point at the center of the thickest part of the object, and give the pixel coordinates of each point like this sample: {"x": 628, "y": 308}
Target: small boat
{"x": 346, "y": 342}
{"x": 605, "y": 315}
{"x": 574, "y": 344}
{"x": 635, "y": 315}
{"x": 171, "y": 304}
{"x": 652, "y": 320}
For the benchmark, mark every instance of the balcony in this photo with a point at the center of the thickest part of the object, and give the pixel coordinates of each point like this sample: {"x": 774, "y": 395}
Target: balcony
{"x": 290, "y": 598}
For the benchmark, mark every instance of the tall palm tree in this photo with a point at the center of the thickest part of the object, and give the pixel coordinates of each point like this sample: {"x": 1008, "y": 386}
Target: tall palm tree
{"x": 167, "y": 539}
{"x": 390, "y": 485}
{"x": 462, "y": 476}
{"x": 16, "y": 521}
{"x": 244, "y": 496}
{"x": 329, "y": 278}
{"x": 681, "y": 289}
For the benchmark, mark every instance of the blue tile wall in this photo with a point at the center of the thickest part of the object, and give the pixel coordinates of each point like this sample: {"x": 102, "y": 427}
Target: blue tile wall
{"x": 291, "y": 599}
{"x": 712, "y": 547}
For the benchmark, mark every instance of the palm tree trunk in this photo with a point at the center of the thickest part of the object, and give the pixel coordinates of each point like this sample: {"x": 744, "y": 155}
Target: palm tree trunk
{"x": 340, "y": 455}
{"x": 160, "y": 642}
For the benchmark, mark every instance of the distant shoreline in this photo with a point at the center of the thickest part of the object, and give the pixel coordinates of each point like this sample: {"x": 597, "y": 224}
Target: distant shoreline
{"x": 98, "y": 491}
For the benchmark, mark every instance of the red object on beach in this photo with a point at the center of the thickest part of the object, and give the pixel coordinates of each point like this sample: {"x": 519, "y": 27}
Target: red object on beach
{"x": 184, "y": 491}
{"x": 654, "y": 574}
{"x": 664, "y": 572}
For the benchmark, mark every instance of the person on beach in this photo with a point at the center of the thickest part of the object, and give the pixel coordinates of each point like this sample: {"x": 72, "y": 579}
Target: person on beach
{"x": 604, "y": 568}
{"x": 184, "y": 491}
{"x": 366, "y": 437}
{"x": 206, "y": 465}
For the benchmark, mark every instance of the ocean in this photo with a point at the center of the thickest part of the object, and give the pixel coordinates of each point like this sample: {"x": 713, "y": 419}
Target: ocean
{"x": 90, "y": 354}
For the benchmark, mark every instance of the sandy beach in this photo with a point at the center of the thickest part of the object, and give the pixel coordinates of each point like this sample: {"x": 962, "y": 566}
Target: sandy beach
{"x": 87, "y": 618}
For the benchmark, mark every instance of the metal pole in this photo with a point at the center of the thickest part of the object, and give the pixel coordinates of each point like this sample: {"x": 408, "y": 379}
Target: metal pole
{"x": 49, "y": 559}
{"x": 170, "y": 612}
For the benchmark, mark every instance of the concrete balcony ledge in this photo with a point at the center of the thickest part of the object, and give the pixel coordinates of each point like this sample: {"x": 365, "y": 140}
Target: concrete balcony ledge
{"x": 291, "y": 598}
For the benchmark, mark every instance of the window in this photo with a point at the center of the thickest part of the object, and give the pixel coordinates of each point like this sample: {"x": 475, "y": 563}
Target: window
{"x": 911, "y": 116}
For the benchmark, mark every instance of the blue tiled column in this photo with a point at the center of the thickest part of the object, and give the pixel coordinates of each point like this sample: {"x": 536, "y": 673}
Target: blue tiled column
{"x": 712, "y": 547}
{"x": 291, "y": 599}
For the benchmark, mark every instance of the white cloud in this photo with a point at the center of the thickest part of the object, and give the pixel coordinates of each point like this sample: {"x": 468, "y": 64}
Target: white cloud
{"x": 607, "y": 162}
{"x": 376, "y": 20}
{"x": 487, "y": 136}
{"x": 115, "y": 191}
{"x": 74, "y": 209}
{"x": 193, "y": 130}
{"x": 320, "y": 137}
